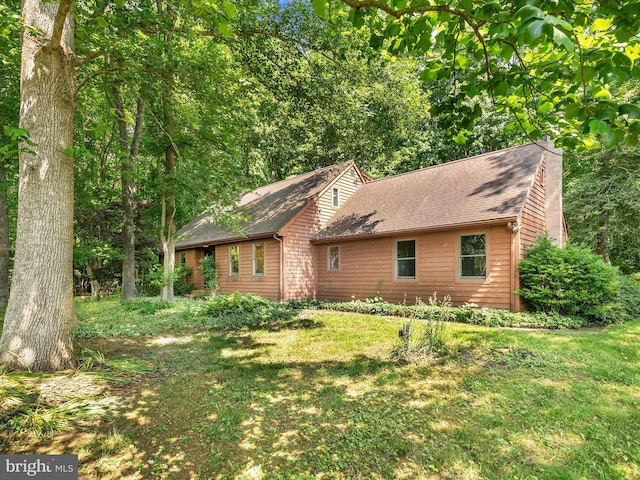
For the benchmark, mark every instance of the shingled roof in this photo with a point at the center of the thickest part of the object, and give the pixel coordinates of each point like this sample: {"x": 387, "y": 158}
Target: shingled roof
{"x": 269, "y": 208}
{"x": 480, "y": 189}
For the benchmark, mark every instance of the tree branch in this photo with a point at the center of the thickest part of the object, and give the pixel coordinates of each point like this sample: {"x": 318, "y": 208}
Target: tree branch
{"x": 58, "y": 23}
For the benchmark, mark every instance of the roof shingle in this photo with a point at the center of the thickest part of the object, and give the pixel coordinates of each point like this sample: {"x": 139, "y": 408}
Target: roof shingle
{"x": 269, "y": 208}
{"x": 483, "y": 188}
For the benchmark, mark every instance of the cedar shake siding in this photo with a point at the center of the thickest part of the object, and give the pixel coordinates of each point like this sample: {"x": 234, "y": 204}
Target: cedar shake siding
{"x": 367, "y": 268}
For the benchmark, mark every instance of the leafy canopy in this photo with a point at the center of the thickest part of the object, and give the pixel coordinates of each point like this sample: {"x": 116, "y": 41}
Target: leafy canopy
{"x": 550, "y": 64}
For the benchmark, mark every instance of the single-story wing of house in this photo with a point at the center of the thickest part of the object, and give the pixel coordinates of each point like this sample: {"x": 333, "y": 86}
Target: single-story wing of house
{"x": 457, "y": 229}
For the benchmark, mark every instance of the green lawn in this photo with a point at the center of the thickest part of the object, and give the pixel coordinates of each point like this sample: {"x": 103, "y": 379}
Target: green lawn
{"x": 316, "y": 395}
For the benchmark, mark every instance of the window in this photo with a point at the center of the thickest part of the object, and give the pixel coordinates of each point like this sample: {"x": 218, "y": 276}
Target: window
{"x": 406, "y": 259}
{"x": 336, "y": 197}
{"x": 258, "y": 258}
{"x": 473, "y": 256}
{"x": 234, "y": 260}
{"x": 333, "y": 258}
{"x": 183, "y": 259}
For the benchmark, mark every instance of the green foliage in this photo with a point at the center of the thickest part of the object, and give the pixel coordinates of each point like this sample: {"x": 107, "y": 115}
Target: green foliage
{"x": 146, "y": 306}
{"x": 209, "y": 272}
{"x": 568, "y": 281}
{"x": 181, "y": 284}
{"x": 602, "y": 201}
{"x": 26, "y": 412}
{"x": 252, "y": 311}
{"x": 628, "y": 301}
{"x": 489, "y": 317}
{"x": 420, "y": 340}
{"x": 549, "y": 65}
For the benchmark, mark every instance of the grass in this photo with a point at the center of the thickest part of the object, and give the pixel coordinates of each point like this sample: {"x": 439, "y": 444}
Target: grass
{"x": 315, "y": 394}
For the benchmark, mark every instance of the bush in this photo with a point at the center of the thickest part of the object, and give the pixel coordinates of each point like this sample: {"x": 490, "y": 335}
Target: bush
{"x": 146, "y": 306}
{"x": 181, "y": 285}
{"x": 236, "y": 311}
{"x": 628, "y": 302}
{"x": 209, "y": 273}
{"x": 569, "y": 281}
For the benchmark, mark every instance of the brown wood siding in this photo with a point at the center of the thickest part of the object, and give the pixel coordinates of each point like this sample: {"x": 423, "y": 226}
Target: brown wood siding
{"x": 533, "y": 222}
{"x": 193, "y": 257}
{"x": 367, "y": 269}
{"x": 346, "y": 184}
{"x": 299, "y": 274}
{"x": 267, "y": 285}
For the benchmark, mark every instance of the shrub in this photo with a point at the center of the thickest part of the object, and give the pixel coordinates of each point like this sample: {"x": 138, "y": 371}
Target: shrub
{"x": 568, "y": 281}
{"x": 181, "y": 285}
{"x": 147, "y": 306}
{"x": 628, "y": 301}
{"x": 209, "y": 273}
{"x": 235, "y": 303}
{"x": 235, "y": 311}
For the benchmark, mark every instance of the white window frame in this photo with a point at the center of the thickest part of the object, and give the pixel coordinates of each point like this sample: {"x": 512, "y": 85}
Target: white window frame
{"x": 255, "y": 270}
{"x": 182, "y": 259}
{"x": 231, "y": 272}
{"x": 335, "y": 197}
{"x": 461, "y": 256}
{"x": 397, "y": 259}
{"x": 329, "y": 265}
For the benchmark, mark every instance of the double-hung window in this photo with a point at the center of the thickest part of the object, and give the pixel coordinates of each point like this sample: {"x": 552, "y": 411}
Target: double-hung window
{"x": 473, "y": 256}
{"x": 333, "y": 258}
{"x": 234, "y": 260}
{"x": 405, "y": 259}
{"x": 258, "y": 259}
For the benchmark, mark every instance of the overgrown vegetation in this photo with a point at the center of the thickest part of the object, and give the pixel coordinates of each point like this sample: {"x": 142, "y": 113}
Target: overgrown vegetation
{"x": 474, "y": 315}
{"x": 420, "y": 341}
{"x": 315, "y": 394}
{"x": 573, "y": 281}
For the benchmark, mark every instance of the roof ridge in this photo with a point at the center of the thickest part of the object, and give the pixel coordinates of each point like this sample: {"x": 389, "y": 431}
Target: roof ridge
{"x": 288, "y": 179}
{"x": 459, "y": 160}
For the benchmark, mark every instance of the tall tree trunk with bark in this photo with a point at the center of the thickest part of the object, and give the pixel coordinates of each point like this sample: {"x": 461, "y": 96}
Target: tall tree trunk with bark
{"x": 168, "y": 221}
{"x": 37, "y": 326}
{"x": 4, "y": 239}
{"x": 127, "y": 177}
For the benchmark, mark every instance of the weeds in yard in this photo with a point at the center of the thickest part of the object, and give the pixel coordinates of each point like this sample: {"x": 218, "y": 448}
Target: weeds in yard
{"x": 421, "y": 340}
{"x": 315, "y": 395}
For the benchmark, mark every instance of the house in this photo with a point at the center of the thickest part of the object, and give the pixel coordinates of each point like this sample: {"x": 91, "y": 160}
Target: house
{"x": 458, "y": 229}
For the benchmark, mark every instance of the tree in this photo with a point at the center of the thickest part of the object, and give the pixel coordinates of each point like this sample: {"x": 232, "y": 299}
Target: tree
{"x": 10, "y": 136}
{"x": 129, "y": 154}
{"x": 37, "y": 326}
{"x": 550, "y": 65}
{"x": 602, "y": 204}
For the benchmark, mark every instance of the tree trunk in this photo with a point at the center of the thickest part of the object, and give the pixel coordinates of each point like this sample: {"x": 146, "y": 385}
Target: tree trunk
{"x": 168, "y": 221}
{"x": 128, "y": 182}
{"x": 37, "y": 326}
{"x": 4, "y": 239}
{"x": 94, "y": 282}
